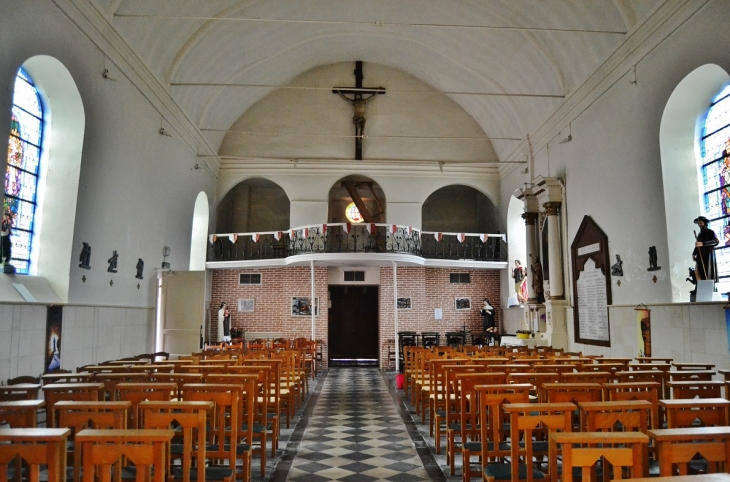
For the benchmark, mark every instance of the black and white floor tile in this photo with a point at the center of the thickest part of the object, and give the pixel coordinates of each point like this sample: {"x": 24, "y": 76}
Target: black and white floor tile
{"x": 356, "y": 432}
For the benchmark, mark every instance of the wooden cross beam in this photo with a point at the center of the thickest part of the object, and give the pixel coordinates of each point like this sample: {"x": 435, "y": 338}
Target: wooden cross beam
{"x": 358, "y": 97}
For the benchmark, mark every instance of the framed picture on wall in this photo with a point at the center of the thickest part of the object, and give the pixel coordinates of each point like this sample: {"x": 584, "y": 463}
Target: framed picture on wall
{"x": 245, "y": 306}
{"x": 404, "y": 303}
{"x": 302, "y": 306}
{"x": 462, "y": 303}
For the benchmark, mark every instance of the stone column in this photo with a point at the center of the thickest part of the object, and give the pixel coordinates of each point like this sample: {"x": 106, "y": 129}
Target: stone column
{"x": 555, "y": 257}
{"x": 531, "y": 245}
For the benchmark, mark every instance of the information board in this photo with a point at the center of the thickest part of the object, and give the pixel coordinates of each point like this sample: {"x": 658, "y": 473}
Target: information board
{"x": 591, "y": 285}
{"x": 592, "y": 303}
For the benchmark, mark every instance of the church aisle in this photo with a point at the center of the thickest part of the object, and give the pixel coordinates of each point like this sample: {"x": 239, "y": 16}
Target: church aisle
{"x": 355, "y": 433}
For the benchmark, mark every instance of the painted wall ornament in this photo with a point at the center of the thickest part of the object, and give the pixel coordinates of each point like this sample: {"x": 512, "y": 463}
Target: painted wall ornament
{"x": 85, "y": 258}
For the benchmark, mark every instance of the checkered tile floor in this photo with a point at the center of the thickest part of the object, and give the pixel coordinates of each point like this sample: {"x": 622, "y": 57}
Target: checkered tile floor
{"x": 355, "y": 433}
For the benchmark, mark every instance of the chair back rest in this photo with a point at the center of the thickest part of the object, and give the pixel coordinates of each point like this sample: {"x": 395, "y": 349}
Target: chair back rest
{"x": 225, "y": 423}
{"x": 619, "y": 451}
{"x": 140, "y": 392}
{"x": 36, "y": 447}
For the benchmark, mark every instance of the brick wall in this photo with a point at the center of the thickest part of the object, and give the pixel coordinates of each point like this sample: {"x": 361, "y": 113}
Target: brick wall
{"x": 428, "y": 288}
{"x": 272, "y": 301}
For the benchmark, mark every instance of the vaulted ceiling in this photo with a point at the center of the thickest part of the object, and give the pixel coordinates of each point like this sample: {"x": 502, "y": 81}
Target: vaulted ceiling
{"x": 508, "y": 64}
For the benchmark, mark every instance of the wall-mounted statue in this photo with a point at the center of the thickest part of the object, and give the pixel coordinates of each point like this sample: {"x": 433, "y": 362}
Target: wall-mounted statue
{"x": 653, "y": 260}
{"x": 704, "y": 252}
{"x": 85, "y": 257}
{"x": 140, "y": 268}
{"x": 113, "y": 262}
{"x": 618, "y": 268}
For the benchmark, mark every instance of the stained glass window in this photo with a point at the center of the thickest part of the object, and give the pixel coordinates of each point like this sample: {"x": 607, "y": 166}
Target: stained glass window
{"x": 21, "y": 176}
{"x": 353, "y": 214}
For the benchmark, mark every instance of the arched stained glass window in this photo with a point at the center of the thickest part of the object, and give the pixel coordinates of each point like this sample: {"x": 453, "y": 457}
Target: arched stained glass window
{"x": 21, "y": 176}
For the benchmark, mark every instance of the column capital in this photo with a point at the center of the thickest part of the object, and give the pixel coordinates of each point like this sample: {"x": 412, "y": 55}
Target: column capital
{"x": 551, "y": 208}
{"x": 530, "y": 218}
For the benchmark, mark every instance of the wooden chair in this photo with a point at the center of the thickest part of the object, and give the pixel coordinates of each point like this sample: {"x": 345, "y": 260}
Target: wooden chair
{"x": 76, "y": 392}
{"x": 264, "y": 401}
{"x": 693, "y": 366}
{"x": 648, "y": 391}
{"x": 20, "y": 413}
{"x": 493, "y": 435}
{"x": 537, "y": 380}
{"x": 618, "y": 416}
{"x": 529, "y": 424}
{"x": 466, "y": 426}
{"x": 103, "y": 449}
{"x": 79, "y": 416}
{"x": 253, "y": 384}
{"x": 84, "y": 377}
{"x": 36, "y": 447}
{"x": 137, "y": 393}
{"x": 274, "y": 396}
{"x": 223, "y": 435}
{"x": 587, "y": 377}
{"x": 111, "y": 380}
{"x": 690, "y": 375}
{"x": 678, "y": 447}
{"x": 619, "y": 450}
{"x": 24, "y": 379}
{"x": 191, "y": 418}
{"x": 696, "y": 389}
{"x": 705, "y": 412}
{"x": 20, "y": 391}
{"x": 437, "y": 401}
{"x": 179, "y": 379}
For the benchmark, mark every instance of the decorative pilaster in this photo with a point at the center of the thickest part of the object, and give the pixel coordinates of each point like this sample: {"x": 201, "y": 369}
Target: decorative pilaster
{"x": 555, "y": 257}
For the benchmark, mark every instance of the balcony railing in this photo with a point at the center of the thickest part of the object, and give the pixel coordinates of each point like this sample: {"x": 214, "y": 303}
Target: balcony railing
{"x": 356, "y": 238}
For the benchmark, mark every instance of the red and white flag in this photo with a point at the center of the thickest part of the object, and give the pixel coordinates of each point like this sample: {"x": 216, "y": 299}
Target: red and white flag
{"x": 233, "y": 237}
{"x": 346, "y": 228}
{"x": 484, "y": 237}
{"x": 305, "y": 232}
{"x": 213, "y": 238}
{"x": 292, "y": 233}
{"x": 323, "y": 229}
{"x": 409, "y": 230}
{"x": 277, "y": 235}
{"x": 438, "y": 236}
{"x": 370, "y": 227}
{"x": 461, "y": 237}
{"x": 393, "y": 228}
{"x": 255, "y": 237}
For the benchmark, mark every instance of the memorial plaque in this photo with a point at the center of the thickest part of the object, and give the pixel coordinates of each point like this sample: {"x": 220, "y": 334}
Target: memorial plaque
{"x": 591, "y": 285}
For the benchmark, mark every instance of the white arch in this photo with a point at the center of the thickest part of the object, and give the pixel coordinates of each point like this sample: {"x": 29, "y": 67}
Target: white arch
{"x": 679, "y": 147}
{"x": 199, "y": 234}
{"x": 65, "y": 121}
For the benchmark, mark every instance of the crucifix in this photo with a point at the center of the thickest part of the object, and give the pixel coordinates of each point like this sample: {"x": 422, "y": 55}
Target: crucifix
{"x": 358, "y": 97}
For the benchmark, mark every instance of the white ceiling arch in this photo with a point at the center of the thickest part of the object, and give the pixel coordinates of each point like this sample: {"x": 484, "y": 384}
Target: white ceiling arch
{"x": 521, "y": 58}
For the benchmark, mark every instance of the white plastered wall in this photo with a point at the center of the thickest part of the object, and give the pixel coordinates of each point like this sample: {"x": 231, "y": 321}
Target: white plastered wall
{"x": 612, "y": 170}
{"x": 136, "y": 193}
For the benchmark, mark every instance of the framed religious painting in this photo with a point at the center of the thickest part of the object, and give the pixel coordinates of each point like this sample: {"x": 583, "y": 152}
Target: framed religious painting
{"x": 302, "y": 306}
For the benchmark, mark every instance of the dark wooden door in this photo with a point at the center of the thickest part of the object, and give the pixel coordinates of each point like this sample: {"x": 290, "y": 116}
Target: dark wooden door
{"x": 353, "y": 323}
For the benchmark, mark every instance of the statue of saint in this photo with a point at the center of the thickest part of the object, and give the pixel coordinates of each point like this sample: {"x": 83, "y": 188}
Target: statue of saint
{"x": 704, "y": 252}
{"x": 224, "y": 323}
{"x": 489, "y": 323}
{"x": 5, "y": 232}
{"x": 113, "y": 262}
{"x": 140, "y": 268}
{"x": 537, "y": 280}
{"x": 618, "y": 268}
{"x": 520, "y": 276}
{"x": 85, "y": 257}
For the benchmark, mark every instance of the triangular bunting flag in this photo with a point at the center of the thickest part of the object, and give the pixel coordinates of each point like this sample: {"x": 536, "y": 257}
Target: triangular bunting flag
{"x": 370, "y": 227}
{"x": 277, "y": 235}
{"x": 393, "y": 228}
{"x": 305, "y": 232}
{"x": 213, "y": 238}
{"x": 461, "y": 237}
{"x": 409, "y": 230}
{"x": 484, "y": 237}
{"x": 255, "y": 237}
{"x": 438, "y": 236}
{"x": 323, "y": 229}
{"x": 346, "y": 228}
{"x": 292, "y": 233}
{"x": 233, "y": 237}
